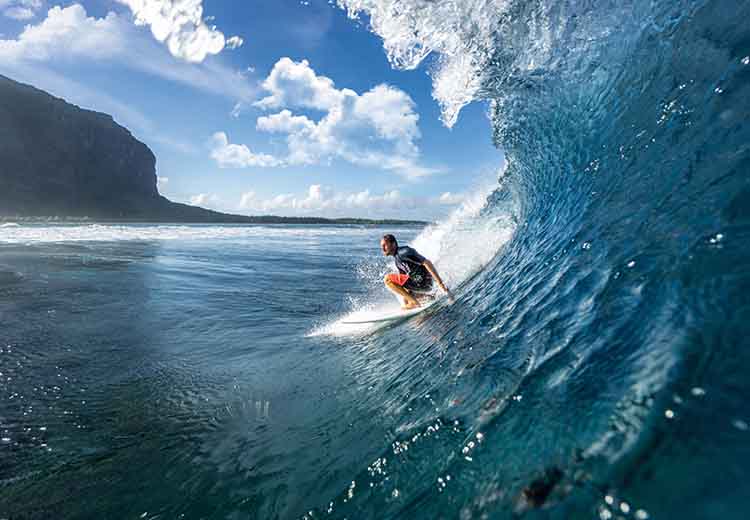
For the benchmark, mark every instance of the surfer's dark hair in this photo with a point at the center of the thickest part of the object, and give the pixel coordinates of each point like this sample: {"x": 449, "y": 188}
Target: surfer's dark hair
{"x": 390, "y": 239}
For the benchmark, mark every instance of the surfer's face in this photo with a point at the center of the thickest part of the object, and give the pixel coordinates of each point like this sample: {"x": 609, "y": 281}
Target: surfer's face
{"x": 387, "y": 247}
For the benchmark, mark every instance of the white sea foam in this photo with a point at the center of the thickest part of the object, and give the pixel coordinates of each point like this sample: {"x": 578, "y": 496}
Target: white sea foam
{"x": 465, "y": 242}
{"x": 36, "y": 233}
{"x": 462, "y": 33}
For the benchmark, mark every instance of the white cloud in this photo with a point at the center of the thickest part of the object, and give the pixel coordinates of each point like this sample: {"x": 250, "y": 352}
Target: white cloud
{"x": 66, "y": 33}
{"x": 378, "y": 129}
{"x": 294, "y": 84}
{"x": 235, "y": 42}
{"x": 284, "y": 122}
{"x": 229, "y": 155}
{"x": 20, "y": 9}
{"x": 69, "y": 36}
{"x": 19, "y": 13}
{"x": 247, "y": 200}
{"x": 179, "y": 24}
{"x": 161, "y": 182}
{"x": 206, "y": 200}
{"x": 323, "y": 200}
{"x": 320, "y": 200}
{"x": 449, "y": 198}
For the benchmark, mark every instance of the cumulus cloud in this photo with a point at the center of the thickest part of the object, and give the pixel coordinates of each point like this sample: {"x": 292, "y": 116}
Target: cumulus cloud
{"x": 20, "y": 9}
{"x": 378, "y": 128}
{"x": 293, "y": 84}
{"x": 180, "y": 25}
{"x": 321, "y": 199}
{"x": 66, "y": 32}
{"x": 206, "y": 200}
{"x": 284, "y": 122}
{"x": 449, "y": 198}
{"x": 69, "y": 35}
{"x": 228, "y": 155}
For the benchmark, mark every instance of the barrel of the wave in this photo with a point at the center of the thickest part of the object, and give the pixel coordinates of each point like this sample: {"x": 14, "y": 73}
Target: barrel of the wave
{"x": 618, "y": 305}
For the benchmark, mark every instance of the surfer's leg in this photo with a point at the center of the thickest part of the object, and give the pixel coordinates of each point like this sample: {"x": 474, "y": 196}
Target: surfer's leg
{"x": 425, "y": 297}
{"x": 424, "y": 293}
{"x": 409, "y": 301}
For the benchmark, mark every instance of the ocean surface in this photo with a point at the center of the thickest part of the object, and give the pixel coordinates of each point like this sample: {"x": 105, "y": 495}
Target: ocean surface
{"x": 594, "y": 363}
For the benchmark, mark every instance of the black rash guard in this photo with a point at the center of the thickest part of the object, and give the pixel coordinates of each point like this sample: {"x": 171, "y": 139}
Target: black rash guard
{"x": 408, "y": 261}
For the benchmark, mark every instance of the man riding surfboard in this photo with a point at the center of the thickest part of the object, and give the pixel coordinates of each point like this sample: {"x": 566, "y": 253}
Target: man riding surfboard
{"x": 415, "y": 273}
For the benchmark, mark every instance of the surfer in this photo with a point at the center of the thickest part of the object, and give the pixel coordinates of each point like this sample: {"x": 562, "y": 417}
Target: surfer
{"x": 415, "y": 273}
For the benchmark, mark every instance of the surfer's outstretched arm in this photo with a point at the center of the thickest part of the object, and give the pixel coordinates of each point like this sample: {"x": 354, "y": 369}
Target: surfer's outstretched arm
{"x": 431, "y": 268}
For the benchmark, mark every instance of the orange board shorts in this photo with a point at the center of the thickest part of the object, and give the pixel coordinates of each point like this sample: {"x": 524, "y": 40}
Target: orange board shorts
{"x": 398, "y": 279}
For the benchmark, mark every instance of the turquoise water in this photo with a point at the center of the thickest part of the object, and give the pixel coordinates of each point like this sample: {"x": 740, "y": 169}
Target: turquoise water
{"x": 593, "y": 365}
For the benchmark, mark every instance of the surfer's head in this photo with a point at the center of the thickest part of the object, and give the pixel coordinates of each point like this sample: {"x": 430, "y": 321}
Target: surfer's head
{"x": 389, "y": 245}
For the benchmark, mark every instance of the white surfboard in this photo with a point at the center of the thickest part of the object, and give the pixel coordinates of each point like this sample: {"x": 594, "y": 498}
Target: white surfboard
{"x": 401, "y": 314}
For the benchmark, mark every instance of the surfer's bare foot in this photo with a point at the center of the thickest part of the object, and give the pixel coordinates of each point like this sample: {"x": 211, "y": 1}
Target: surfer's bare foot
{"x": 408, "y": 306}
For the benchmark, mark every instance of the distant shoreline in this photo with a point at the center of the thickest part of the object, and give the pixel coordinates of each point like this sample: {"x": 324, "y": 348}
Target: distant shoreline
{"x": 263, "y": 219}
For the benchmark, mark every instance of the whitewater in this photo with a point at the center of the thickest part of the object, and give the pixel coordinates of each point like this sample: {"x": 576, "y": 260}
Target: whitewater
{"x": 593, "y": 364}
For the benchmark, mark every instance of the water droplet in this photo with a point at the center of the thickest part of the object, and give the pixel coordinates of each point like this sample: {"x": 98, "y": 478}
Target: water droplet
{"x": 740, "y": 425}
{"x": 586, "y": 246}
{"x": 625, "y": 507}
{"x": 609, "y": 499}
{"x": 698, "y": 391}
{"x": 746, "y": 60}
{"x": 631, "y": 264}
{"x": 669, "y": 414}
{"x": 641, "y": 514}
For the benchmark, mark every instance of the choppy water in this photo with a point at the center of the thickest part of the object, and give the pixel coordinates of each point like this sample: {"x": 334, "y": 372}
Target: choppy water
{"x": 593, "y": 365}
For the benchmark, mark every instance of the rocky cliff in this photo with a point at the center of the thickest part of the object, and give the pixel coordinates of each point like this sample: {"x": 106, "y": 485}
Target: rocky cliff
{"x": 57, "y": 159}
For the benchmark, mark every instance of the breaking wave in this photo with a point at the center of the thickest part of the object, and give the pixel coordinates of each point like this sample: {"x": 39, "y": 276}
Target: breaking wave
{"x": 593, "y": 363}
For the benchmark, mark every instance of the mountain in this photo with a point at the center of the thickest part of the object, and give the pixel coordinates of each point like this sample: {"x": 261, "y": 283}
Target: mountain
{"x": 57, "y": 159}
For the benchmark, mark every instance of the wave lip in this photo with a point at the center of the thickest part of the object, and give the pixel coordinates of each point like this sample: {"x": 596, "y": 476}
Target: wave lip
{"x": 459, "y": 33}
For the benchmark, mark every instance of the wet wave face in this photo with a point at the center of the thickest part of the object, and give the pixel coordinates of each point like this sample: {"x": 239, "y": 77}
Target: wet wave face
{"x": 596, "y": 366}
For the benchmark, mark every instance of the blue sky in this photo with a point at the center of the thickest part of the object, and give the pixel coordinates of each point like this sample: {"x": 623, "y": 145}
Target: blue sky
{"x": 280, "y": 107}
